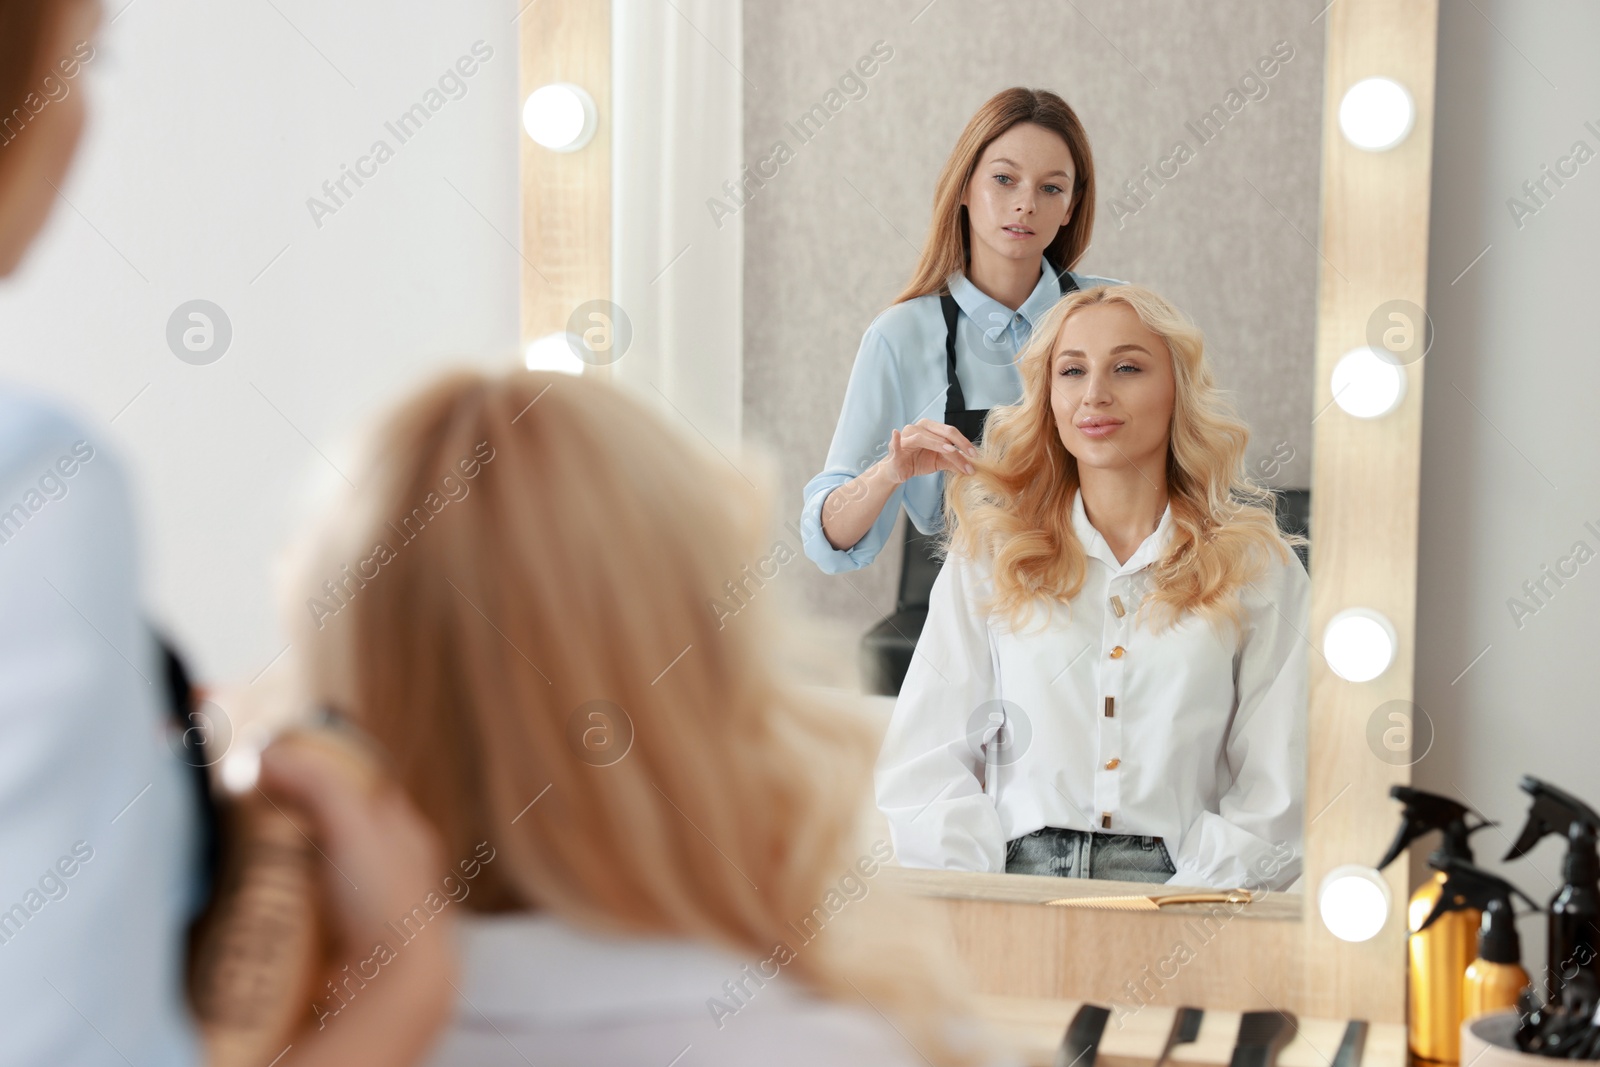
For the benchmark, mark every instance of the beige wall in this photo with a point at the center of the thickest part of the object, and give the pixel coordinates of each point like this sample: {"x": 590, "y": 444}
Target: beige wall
{"x": 833, "y": 236}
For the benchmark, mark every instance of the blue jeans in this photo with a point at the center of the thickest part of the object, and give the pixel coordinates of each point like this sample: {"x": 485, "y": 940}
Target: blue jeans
{"x": 1079, "y": 854}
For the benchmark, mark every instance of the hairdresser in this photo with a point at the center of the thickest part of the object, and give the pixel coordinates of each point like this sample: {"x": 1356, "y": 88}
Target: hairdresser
{"x": 99, "y": 817}
{"x": 1013, "y": 212}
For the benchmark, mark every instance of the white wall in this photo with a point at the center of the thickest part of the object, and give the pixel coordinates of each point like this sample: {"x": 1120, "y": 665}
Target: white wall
{"x": 1509, "y": 471}
{"x": 211, "y": 126}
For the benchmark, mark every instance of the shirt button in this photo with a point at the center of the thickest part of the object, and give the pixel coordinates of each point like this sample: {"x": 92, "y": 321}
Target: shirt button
{"x": 1112, "y": 764}
{"x": 1116, "y": 653}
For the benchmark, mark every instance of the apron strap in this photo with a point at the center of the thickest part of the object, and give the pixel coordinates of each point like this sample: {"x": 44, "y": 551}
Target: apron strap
{"x": 955, "y": 400}
{"x": 1069, "y": 284}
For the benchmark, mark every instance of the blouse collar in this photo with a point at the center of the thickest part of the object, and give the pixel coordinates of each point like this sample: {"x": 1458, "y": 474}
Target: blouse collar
{"x": 1148, "y": 552}
{"x": 990, "y": 314}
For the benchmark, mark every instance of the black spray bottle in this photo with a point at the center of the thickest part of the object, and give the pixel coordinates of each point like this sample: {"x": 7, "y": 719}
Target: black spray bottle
{"x": 1574, "y": 946}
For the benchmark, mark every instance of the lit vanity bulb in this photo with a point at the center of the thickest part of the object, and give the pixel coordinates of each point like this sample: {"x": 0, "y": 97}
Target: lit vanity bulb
{"x": 555, "y": 351}
{"x": 1359, "y": 644}
{"x": 241, "y": 768}
{"x": 1376, "y": 114}
{"x": 1367, "y": 385}
{"x": 561, "y": 117}
{"x": 1354, "y": 902}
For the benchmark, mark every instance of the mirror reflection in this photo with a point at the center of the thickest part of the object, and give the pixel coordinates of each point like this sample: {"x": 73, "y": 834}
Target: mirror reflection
{"x": 1111, "y": 680}
{"x": 1076, "y": 460}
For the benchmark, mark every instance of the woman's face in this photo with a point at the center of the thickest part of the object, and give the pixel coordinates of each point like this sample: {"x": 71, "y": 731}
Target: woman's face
{"x": 1021, "y": 192}
{"x": 37, "y": 159}
{"x": 1111, "y": 389}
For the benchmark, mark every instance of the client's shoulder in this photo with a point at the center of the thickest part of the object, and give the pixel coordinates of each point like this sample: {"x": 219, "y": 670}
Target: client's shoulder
{"x": 973, "y": 565}
{"x": 583, "y": 995}
{"x": 1280, "y": 577}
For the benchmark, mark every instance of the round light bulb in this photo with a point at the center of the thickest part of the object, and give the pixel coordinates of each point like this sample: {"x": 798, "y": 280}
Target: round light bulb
{"x": 1366, "y": 385}
{"x": 561, "y": 117}
{"x": 1359, "y": 644}
{"x": 1354, "y": 902}
{"x": 555, "y": 351}
{"x": 240, "y": 768}
{"x": 1376, "y": 114}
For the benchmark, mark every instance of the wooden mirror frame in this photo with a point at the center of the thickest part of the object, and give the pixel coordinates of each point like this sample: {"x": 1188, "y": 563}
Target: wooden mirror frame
{"x": 1374, "y": 247}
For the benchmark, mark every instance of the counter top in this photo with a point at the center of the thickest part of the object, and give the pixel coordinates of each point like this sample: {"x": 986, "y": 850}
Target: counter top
{"x": 1036, "y": 1025}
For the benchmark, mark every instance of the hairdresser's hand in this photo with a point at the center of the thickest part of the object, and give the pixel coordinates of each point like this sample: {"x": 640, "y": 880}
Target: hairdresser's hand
{"x": 921, "y": 448}
{"x": 927, "y": 446}
{"x": 383, "y": 859}
{"x": 382, "y": 855}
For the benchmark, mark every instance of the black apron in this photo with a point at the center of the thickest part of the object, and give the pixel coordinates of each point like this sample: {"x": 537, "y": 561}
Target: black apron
{"x": 956, "y": 414}
{"x": 887, "y": 649}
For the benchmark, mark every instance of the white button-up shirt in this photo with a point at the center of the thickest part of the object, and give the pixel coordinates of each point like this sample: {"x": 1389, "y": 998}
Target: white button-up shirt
{"x": 1191, "y": 734}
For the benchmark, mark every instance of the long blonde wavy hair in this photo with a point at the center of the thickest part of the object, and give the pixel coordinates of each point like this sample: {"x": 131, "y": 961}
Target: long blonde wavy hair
{"x": 552, "y": 543}
{"x": 1016, "y": 508}
{"x": 948, "y": 248}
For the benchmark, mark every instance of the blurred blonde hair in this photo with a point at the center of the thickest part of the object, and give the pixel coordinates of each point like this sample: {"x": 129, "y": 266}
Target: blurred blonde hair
{"x": 1016, "y": 507}
{"x": 581, "y": 562}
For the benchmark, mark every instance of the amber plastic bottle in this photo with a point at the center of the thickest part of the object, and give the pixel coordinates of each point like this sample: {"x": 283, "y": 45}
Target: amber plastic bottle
{"x": 1438, "y": 955}
{"x": 1495, "y": 979}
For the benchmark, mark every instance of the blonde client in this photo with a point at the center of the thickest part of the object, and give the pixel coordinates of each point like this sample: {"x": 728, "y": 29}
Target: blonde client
{"x": 517, "y": 604}
{"x": 1112, "y": 679}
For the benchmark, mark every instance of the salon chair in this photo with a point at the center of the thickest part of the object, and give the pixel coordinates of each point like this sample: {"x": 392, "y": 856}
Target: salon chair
{"x": 886, "y": 649}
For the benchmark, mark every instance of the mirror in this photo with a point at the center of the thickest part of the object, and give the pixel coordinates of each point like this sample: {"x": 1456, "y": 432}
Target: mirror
{"x": 825, "y": 235}
{"x": 1207, "y": 152}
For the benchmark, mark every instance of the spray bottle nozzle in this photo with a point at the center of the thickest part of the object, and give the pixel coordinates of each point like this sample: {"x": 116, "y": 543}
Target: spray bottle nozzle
{"x": 1553, "y": 812}
{"x": 1429, "y": 811}
{"x": 1466, "y": 886}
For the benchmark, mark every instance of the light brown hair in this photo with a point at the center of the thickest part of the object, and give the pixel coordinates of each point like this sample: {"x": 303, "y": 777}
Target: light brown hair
{"x": 552, "y": 542}
{"x": 26, "y": 29}
{"x": 948, "y": 248}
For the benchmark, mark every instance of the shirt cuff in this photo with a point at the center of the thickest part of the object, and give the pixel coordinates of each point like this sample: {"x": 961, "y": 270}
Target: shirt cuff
{"x": 817, "y": 547}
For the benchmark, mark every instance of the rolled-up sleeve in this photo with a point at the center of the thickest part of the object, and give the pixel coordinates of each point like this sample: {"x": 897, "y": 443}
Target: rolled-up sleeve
{"x": 1255, "y": 838}
{"x": 874, "y": 406}
{"x": 928, "y": 777}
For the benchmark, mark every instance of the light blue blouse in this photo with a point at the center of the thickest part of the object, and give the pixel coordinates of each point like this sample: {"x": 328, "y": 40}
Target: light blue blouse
{"x": 99, "y": 831}
{"x": 899, "y": 377}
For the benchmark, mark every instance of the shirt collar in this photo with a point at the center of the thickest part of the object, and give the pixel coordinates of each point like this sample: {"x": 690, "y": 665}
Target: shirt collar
{"x": 1148, "y": 552}
{"x": 990, "y": 313}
